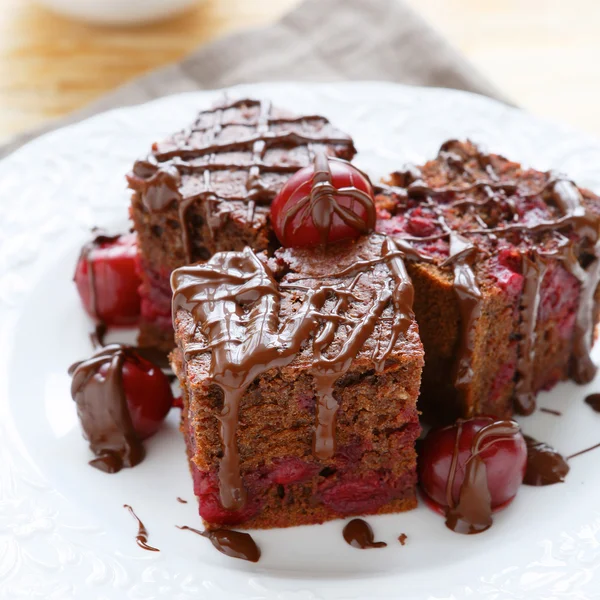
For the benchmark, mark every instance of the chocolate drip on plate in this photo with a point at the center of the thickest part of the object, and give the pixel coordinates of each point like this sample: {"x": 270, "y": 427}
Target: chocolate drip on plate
{"x": 359, "y": 534}
{"x": 584, "y": 451}
{"x": 229, "y": 542}
{"x": 103, "y": 411}
{"x": 593, "y": 400}
{"x": 181, "y": 500}
{"x": 402, "y": 538}
{"x": 142, "y": 536}
{"x": 472, "y": 512}
{"x": 551, "y": 411}
{"x": 545, "y": 466}
{"x": 235, "y": 303}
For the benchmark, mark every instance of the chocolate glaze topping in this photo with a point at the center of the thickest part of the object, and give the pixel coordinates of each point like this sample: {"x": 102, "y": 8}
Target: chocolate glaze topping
{"x": 142, "y": 536}
{"x": 593, "y": 400}
{"x": 215, "y": 144}
{"x": 472, "y": 513}
{"x": 578, "y": 252}
{"x": 234, "y": 300}
{"x": 231, "y": 543}
{"x": 545, "y": 466}
{"x": 97, "y": 336}
{"x": 102, "y": 409}
{"x": 321, "y": 204}
{"x": 358, "y": 533}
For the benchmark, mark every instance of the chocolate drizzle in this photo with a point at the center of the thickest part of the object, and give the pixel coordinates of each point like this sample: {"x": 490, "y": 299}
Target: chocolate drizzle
{"x": 103, "y": 411}
{"x": 584, "y": 451}
{"x": 229, "y": 542}
{"x": 593, "y": 400}
{"x": 142, "y": 536}
{"x": 578, "y": 253}
{"x": 402, "y": 538}
{"x": 358, "y": 534}
{"x": 472, "y": 512}
{"x": 551, "y": 411}
{"x": 235, "y": 303}
{"x": 214, "y": 144}
{"x": 545, "y": 466}
{"x": 321, "y": 205}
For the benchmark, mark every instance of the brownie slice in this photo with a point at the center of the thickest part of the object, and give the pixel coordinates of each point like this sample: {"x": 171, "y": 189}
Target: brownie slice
{"x": 505, "y": 267}
{"x": 208, "y": 189}
{"x": 300, "y": 376}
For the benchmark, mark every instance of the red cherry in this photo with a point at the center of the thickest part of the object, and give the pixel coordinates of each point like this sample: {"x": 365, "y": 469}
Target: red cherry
{"x": 505, "y": 460}
{"x": 148, "y": 394}
{"x": 107, "y": 280}
{"x": 328, "y": 201}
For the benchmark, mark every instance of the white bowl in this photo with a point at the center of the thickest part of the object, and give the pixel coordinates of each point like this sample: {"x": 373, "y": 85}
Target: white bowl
{"x": 118, "y": 12}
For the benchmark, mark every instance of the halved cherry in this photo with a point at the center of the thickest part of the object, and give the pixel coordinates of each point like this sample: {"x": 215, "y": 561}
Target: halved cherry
{"x": 107, "y": 280}
{"x": 504, "y": 455}
{"x": 328, "y": 201}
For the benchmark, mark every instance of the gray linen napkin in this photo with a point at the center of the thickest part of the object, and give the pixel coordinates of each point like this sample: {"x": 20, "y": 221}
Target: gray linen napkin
{"x": 320, "y": 40}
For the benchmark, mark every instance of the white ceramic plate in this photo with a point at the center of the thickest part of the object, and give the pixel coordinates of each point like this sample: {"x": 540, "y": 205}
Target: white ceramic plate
{"x": 63, "y": 530}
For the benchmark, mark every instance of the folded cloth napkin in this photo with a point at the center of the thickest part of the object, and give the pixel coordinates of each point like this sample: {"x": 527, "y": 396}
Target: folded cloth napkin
{"x": 320, "y": 40}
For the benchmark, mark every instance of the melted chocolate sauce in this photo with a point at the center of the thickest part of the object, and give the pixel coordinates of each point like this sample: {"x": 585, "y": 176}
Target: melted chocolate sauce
{"x": 181, "y": 500}
{"x": 159, "y": 178}
{"x": 321, "y": 205}
{"x": 402, "y": 538}
{"x": 358, "y": 534}
{"x": 234, "y": 301}
{"x": 231, "y": 543}
{"x": 472, "y": 513}
{"x": 593, "y": 400}
{"x": 142, "y": 536}
{"x": 574, "y": 216}
{"x": 103, "y": 411}
{"x": 551, "y": 411}
{"x": 545, "y": 466}
{"x": 585, "y": 451}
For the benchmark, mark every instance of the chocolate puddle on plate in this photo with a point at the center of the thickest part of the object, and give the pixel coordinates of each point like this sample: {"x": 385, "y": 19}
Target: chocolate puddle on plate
{"x": 358, "y": 534}
{"x": 229, "y": 542}
{"x": 545, "y": 466}
{"x": 593, "y": 400}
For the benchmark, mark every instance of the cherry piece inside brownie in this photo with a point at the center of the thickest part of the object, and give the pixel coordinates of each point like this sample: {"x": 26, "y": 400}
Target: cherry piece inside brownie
{"x": 208, "y": 189}
{"x": 505, "y": 267}
{"x": 300, "y": 376}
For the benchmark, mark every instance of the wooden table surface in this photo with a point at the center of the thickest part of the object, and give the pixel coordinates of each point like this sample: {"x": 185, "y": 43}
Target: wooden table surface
{"x": 542, "y": 53}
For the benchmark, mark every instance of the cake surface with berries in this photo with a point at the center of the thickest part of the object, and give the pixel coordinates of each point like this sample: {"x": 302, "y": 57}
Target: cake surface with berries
{"x": 300, "y": 376}
{"x": 208, "y": 189}
{"x": 504, "y": 261}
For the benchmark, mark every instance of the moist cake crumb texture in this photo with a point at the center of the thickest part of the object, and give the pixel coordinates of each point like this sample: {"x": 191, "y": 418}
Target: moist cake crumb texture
{"x": 505, "y": 267}
{"x": 208, "y": 189}
{"x": 300, "y": 376}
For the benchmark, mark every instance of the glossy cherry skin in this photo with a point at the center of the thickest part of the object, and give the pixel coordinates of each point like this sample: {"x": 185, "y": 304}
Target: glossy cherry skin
{"x": 505, "y": 462}
{"x": 302, "y": 231}
{"x": 148, "y": 394}
{"x": 115, "y": 281}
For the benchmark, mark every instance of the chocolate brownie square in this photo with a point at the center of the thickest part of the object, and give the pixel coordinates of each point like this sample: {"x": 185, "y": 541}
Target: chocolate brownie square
{"x": 208, "y": 189}
{"x": 504, "y": 261}
{"x": 300, "y": 376}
